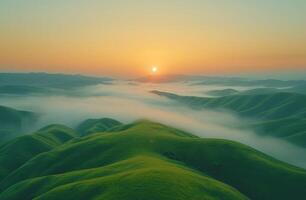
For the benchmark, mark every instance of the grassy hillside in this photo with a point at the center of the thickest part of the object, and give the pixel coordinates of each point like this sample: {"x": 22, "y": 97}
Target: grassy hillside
{"x": 147, "y": 160}
{"x": 13, "y": 121}
{"x": 16, "y": 152}
{"x": 281, "y": 115}
{"x": 90, "y": 126}
{"x": 142, "y": 177}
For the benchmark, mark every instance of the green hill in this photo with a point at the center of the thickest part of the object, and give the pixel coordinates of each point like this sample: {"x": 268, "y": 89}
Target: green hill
{"x": 13, "y": 122}
{"x": 281, "y": 115}
{"x": 147, "y": 160}
{"x": 90, "y": 126}
{"x": 16, "y": 152}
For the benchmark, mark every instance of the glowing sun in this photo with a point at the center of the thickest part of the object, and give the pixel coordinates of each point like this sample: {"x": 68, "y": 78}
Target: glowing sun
{"x": 154, "y": 69}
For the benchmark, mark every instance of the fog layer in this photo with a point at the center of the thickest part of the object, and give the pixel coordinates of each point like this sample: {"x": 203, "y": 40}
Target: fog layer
{"x": 129, "y": 102}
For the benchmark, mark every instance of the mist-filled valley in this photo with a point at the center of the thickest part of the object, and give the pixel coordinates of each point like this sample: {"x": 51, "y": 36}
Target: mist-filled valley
{"x": 266, "y": 115}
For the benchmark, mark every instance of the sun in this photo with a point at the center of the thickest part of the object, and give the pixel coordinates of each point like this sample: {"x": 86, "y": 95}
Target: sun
{"x": 154, "y": 69}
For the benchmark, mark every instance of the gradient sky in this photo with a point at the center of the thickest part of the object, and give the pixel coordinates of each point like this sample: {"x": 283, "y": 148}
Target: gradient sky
{"x": 128, "y": 37}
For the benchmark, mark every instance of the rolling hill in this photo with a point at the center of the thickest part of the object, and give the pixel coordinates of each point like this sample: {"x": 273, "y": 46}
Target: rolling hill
{"x": 17, "y": 151}
{"x": 147, "y": 160}
{"x": 281, "y": 115}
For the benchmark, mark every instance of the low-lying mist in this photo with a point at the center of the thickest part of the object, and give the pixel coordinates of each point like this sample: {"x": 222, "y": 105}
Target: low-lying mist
{"x": 129, "y": 102}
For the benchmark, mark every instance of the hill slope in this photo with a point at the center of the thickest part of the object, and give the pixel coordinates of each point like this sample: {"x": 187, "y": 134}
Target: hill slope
{"x": 147, "y": 160}
{"x": 90, "y": 126}
{"x": 15, "y": 153}
{"x": 281, "y": 115}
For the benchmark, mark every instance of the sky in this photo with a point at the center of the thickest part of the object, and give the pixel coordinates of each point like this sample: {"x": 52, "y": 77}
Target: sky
{"x": 129, "y": 37}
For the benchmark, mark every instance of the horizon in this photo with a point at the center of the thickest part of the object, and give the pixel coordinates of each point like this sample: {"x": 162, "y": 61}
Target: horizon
{"x": 284, "y": 75}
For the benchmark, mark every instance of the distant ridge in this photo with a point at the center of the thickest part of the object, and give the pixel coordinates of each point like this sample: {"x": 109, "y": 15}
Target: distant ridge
{"x": 281, "y": 115}
{"x": 219, "y": 80}
{"x": 50, "y": 80}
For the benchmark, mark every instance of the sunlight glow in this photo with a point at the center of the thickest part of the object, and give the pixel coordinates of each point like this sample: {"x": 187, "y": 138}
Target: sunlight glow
{"x": 154, "y": 69}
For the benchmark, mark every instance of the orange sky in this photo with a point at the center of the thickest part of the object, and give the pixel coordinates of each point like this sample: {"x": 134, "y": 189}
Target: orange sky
{"x": 128, "y": 37}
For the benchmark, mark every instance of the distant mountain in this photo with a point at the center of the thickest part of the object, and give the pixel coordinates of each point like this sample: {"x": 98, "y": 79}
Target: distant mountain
{"x": 50, "y": 80}
{"x": 90, "y": 126}
{"x": 147, "y": 160}
{"x": 251, "y": 82}
{"x": 219, "y": 80}
{"x": 14, "y": 122}
{"x": 281, "y": 115}
{"x": 43, "y": 83}
{"x": 184, "y": 78}
{"x": 21, "y": 89}
{"x": 167, "y": 78}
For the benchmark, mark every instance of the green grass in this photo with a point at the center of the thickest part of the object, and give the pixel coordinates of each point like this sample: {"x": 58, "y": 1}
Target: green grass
{"x": 140, "y": 177}
{"x": 147, "y": 160}
{"x": 90, "y": 126}
{"x": 281, "y": 115}
{"x": 16, "y": 152}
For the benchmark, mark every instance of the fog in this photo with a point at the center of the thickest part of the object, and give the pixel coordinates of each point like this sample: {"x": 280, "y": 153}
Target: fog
{"x": 128, "y": 102}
